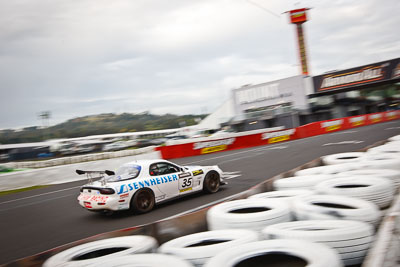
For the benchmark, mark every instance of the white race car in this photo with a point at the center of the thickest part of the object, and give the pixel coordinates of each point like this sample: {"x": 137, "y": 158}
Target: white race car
{"x": 141, "y": 184}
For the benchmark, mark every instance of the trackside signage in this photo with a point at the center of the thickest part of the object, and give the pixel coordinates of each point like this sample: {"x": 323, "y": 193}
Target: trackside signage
{"x": 374, "y": 118}
{"x": 391, "y": 115}
{"x": 252, "y": 97}
{"x": 358, "y": 121}
{"x": 213, "y": 146}
{"x": 265, "y": 138}
{"x": 280, "y": 136}
{"x": 367, "y": 74}
{"x": 332, "y": 125}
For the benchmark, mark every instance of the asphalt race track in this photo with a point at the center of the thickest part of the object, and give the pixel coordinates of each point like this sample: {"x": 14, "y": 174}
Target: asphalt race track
{"x": 38, "y": 220}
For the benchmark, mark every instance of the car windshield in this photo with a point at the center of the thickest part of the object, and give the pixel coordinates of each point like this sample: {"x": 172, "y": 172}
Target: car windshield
{"x": 125, "y": 172}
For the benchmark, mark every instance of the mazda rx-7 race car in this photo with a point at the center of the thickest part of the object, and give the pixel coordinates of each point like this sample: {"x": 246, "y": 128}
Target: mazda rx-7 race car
{"x": 141, "y": 184}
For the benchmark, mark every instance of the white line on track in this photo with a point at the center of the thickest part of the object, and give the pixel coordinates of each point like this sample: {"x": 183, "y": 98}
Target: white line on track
{"x": 231, "y": 175}
{"x": 5, "y": 202}
{"x": 344, "y": 132}
{"x": 344, "y": 143}
{"x": 278, "y": 147}
{"x": 34, "y": 203}
{"x": 392, "y": 128}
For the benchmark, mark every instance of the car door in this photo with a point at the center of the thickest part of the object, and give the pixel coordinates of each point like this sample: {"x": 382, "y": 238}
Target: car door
{"x": 186, "y": 182}
{"x": 166, "y": 176}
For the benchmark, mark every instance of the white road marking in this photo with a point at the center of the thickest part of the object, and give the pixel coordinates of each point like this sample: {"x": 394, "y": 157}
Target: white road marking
{"x": 231, "y": 175}
{"x": 392, "y": 128}
{"x": 5, "y": 202}
{"x": 344, "y": 132}
{"x": 343, "y": 143}
{"x": 34, "y": 203}
{"x": 278, "y": 147}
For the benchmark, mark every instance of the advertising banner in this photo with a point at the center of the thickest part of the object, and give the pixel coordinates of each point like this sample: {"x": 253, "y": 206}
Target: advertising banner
{"x": 290, "y": 90}
{"x": 267, "y": 138}
{"x": 364, "y": 75}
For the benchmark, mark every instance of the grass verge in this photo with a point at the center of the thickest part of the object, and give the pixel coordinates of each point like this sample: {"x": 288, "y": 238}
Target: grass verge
{"x": 3, "y": 193}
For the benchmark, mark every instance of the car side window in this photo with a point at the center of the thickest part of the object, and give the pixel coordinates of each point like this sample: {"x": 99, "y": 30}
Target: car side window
{"x": 154, "y": 169}
{"x": 172, "y": 168}
{"x": 162, "y": 168}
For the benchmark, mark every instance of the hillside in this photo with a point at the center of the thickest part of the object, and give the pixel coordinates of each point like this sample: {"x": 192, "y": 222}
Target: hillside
{"x": 99, "y": 124}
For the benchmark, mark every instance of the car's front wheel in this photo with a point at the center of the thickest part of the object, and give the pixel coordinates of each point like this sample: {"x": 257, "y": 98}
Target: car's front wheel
{"x": 211, "y": 182}
{"x": 142, "y": 201}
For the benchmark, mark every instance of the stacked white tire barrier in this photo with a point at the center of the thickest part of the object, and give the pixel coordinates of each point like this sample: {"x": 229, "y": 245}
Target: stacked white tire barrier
{"x": 144, "y": 260}
{"x": 395, "y": 138}
{"x": 330, "y": 169}
{"x": 393, "y": 148}
{"x": 286, "y": 195}
{"x": 200, "y": 247}
{"x": 306, "y": 182}
{"x": 379, "y": 191}
{"x": 351, "y": 239}
{"x": 340, "y": 158}
{"x": 98, "y": 251}
{"x": 393, "y": 175}
{"x": 380, "y": 161}
{"x": 331, "y": 207}
{"x": 253, "y": 214}
{"x": 287, "y": 250}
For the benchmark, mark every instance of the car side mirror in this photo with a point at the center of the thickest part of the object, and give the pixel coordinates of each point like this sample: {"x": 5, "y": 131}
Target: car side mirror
{"x": 109, "y": 173}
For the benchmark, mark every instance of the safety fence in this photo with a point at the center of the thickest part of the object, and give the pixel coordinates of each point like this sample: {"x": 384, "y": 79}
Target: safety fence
{"x": 78, "y": 159}
{"x": 238, "y": 141}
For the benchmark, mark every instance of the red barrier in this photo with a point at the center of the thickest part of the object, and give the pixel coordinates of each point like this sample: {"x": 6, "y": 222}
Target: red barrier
{"x": 230, "y": 143}
{"x": 250, "y": 140}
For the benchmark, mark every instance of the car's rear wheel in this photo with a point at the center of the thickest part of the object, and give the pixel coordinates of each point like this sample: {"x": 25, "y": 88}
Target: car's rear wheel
{"x": 142, "y": 201}
{"x": 211, "y": 182}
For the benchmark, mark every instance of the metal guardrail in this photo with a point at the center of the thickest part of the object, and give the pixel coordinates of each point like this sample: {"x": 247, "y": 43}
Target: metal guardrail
{"x": 386, "y": 249}
{"x": 78, "y": 159}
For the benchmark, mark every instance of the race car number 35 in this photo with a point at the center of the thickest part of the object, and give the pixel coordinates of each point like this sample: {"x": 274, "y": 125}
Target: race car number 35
{"x": 185, "y": 184}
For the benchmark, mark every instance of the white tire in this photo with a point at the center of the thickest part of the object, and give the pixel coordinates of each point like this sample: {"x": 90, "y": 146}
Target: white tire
{"x": 395, "y": 143}
{"x": 282, "y": 251}
{"x": 375, "y": 189}
{"x": 387, "y": 148}
{"x": 393, "y": 175}
{"x": 200, "y": 247}
{"x": 144, "y": 260}
{"x": 300, "y": 182}
{"x": 380, "y": 161}
{"x": 330, "y": 169}
{"x": 351, "y": 239}
{"x": 287, "y": 195}
{"x": 395, "y": 138}
{"x": 340, "y": 158}
{"x": 253, "y": 214}
{"x": 97, "y": 251}
{"x": 332, "y": 207}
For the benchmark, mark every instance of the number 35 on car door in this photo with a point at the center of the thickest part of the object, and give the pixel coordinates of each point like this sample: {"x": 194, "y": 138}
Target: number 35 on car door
{"x": 185, "y": 182}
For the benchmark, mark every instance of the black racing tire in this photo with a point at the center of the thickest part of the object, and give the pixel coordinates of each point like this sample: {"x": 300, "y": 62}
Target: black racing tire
{"x": 142, "y": 201}
{"x": 211, "y": 182}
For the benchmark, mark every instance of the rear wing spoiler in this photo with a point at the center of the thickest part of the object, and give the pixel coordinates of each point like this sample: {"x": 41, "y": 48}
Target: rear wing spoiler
{"x": 108, "y": 172}
{"x": 90, "y": 175}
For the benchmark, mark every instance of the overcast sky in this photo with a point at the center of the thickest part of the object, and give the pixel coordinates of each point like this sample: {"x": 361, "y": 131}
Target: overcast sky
{"x": 84, "y": 57}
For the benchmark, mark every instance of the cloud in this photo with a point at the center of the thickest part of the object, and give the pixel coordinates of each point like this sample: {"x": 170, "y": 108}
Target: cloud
{"x": 76, "y": 58}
